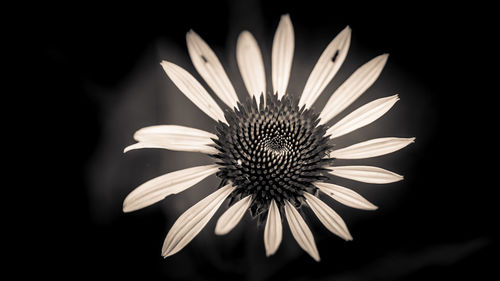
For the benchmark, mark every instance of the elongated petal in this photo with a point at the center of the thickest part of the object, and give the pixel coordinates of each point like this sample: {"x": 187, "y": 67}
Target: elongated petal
{"x": 367, "y": 174}
{"x": 251, "y": 65}
{"x": 173, "y": 132}
{"x": 193, "y": 90}
{"x": 327, "y": 66}
{"x": 301, "y": 231}
{"x": 282, "y": 55}
{"x": 353, "y": 87}
{"x": 273, "y": 231}
{"x": 371, "y": 148}
{"x": 158, "y": 188}
{"x": 191, "y": 222}
{"x": 345, "y": 196}
{"x": 175, "y": 147}
{"x": 232, "y": 216}
{"x": 174, "y": 137}
{"x": 328, "y": 217}
{"x": 362, "y": 116}
{"x": 141, "y": 145}
{"x": 209, "y": 67}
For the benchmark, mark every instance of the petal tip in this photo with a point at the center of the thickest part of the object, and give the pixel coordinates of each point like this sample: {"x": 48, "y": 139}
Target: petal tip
{"x": 316, "y": 258}
{"x": 219, "y": 230}
{"x": 126, "y": 207}
{"x": 128, "y": 204}
{"x": 127, "y": 149}
{"x": 244, "y": 33}
{"x": 347, "y": 235}
{"x": 190, "y": 35}
{"x": 382, "y": 59}
{"x": 167, "y": 66}
{"x": 271, "y": 250}
{"x": 270, "y": 253}
{"x": 166, "y": 254}
{"x": 165, "y": 251}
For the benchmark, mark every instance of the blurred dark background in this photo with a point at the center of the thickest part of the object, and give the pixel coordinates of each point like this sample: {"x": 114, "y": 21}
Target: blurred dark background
{"x": 95, "y": 78}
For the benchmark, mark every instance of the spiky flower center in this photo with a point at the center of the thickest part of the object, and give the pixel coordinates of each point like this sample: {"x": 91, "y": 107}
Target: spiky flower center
{"x": 274, "y": 151}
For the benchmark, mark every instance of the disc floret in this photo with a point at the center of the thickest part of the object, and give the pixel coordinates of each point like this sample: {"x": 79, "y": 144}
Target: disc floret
{"x": 272, "y": 151}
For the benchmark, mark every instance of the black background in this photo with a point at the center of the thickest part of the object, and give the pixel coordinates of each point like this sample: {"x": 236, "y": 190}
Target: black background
{"x": 441, "y": 228}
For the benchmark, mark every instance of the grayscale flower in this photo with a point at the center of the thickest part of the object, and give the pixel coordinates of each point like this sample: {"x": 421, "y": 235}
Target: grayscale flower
{"x": 272, "y": 152}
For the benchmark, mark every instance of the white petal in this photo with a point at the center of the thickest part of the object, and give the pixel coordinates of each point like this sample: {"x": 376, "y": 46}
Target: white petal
{"x": 193, "y": 90}
{"x": 362, "y": 116}
{"x": 251, "y": 66}
{"x": 345, "y": 196}
{"x": 367, "y": 174}
{"x": 273, "y": 231}
{"x": 192, "y": 221}
{"x": 140, "y": 145}
{"x": 353, "y": 87}
{"x": 371, "y": 148}
{"x": 209, "y": 67}
{"x": 158, "y": 188}
{"x": 328, "y": 217}
{"x": 232, "y": 216}
{"x": 282, "y": 55}
{"x": 301, "y": 231}
{"x": 172, "y": 131}
{"x": 175, "y": 147}
{"x": 174, "y": 137}
{"x": 327, "y": 66}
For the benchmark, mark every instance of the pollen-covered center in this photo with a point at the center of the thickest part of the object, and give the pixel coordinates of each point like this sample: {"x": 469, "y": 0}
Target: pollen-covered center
{"x": 270, "y": 152}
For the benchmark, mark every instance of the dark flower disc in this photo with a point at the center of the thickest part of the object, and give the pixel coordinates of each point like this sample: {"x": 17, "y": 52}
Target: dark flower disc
{"x": 274, "y": 151}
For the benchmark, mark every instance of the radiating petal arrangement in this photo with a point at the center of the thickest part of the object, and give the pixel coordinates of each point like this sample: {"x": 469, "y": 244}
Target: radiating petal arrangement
{"x": 209, "y": 67}
{"x": 158, "y": 188}
{"x": 371, "y": 148}
{"x": 251, "y": 65}
{"x": 192, "y": 221}
{"x": 193, "y": 90}
{"x": 273, "y": 231}
{"x": 330, "y": 219}
{"x": 366, "y": 174}
{"x": 345, "y": 196}
{"x": 301, "y": 231}
{"x": 232, "y": 216}
{"x": 327, "y": 66}
{"x": 353, "y": 87}
{"x": 273, "y": 154}
{"x": 362, "y": 116}
{"x": 174, "y": 137}
{"x": 282, "y": 55}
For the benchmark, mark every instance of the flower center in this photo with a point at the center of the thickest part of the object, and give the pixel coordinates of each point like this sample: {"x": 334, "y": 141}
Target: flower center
{"x": 278, "y": 144}
{"x": 271, "y": 152}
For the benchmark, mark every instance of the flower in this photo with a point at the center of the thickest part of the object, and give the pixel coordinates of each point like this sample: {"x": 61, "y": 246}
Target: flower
{"x": 272, "y": 152}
